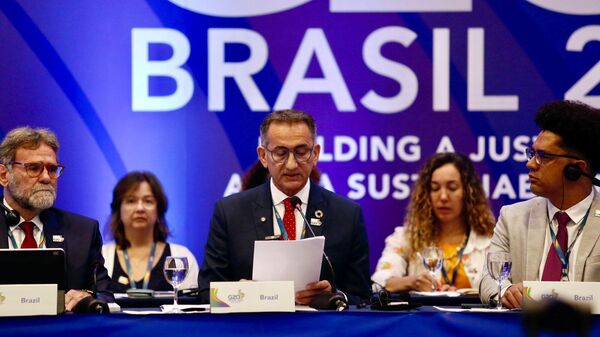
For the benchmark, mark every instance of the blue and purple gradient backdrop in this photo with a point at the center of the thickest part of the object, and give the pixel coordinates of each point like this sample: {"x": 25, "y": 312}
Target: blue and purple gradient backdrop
{"x": 67, "y": 66}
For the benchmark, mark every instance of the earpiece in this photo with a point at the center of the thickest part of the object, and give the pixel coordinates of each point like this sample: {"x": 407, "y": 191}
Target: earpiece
{"x": 12, "y": 216}
{"x": 572, "y": 172}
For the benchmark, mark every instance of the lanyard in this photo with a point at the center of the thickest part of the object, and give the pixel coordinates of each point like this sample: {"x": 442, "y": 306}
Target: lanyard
{"x": 282, "y": 227}
{"x": 459, "y": 258}
{"x": 148, "y": 268}
{"x": 14, "y": 242}
{"x": 564, "y": 257}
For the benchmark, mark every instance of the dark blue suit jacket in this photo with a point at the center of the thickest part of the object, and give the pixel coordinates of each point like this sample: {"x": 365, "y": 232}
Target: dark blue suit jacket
{"x": 238, "y": 221}
{"x": 82, "y": 245}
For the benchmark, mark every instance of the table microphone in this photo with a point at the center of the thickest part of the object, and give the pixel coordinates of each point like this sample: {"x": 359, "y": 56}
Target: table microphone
{"x": 90, "y": 304}
{"x": 335, "y": 300}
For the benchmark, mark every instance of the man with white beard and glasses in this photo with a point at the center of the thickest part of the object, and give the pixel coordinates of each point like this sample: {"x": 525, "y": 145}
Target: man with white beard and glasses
{"x": 29, "y": 172}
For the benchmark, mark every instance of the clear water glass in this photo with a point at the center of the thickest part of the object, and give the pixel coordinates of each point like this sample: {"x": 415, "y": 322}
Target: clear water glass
{"x": 499, "y": 265}
{"x": 175, "y": 270}
{"x": 433, "y": 258}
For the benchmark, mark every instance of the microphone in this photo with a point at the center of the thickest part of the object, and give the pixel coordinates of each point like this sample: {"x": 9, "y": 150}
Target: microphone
{"x": 573, "y": 172}
{"x": 323, "y": 301}
{"x": 90, "y": 304}
{"x": 12, "y": 216}
{"x": 335, "y": 302}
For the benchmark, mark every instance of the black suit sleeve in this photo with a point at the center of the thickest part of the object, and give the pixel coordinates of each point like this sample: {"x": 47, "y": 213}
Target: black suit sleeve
{"x": 355, "y": 281}
{"x": 215, "y": 266}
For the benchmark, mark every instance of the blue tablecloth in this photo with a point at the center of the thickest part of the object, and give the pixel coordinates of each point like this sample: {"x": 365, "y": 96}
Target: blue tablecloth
{"x": 423, "y": 322}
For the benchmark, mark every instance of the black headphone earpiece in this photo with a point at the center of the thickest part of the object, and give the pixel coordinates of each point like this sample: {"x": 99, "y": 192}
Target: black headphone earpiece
{"x": 12, "y": 217}
{"x": 572, "y": 172}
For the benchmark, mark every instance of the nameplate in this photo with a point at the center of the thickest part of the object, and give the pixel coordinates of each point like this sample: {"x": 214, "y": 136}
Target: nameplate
{"x": 28, "y": 299}
{"x": 579, "y": 293}
{"x": 252, "y": 296}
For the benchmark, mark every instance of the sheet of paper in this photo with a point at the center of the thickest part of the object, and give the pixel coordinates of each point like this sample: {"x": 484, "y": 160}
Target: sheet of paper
{"x": 290, "y": 260}
{"x": 168, "y": 309}
{"x": 437, "y": 293}
{"x": 450, "y": 309}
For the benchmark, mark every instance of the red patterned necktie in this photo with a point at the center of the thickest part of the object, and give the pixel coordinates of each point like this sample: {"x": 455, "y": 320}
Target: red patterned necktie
{"x": 29, "y": 241}
{"x": 553, "y": 267}
{"x": 289, "y": 219}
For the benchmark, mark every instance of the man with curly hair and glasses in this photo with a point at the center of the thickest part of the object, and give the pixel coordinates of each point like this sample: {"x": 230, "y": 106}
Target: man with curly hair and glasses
{"x": 289, "y": 151}
{"x": 555, "y": 236}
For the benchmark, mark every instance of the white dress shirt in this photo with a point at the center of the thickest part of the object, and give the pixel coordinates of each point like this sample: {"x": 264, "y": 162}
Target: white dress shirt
{"x": 19, "y": 235}
{"x": 576, "y": 213}
{"x": 279, "y": 197}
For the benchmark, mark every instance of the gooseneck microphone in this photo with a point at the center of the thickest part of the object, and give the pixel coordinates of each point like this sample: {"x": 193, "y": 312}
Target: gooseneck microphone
{"x": 90, "y": 304}
{"x": 336, "y": 300}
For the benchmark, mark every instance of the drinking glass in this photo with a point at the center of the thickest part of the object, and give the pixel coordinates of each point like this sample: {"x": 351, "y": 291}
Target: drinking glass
{"x": 433, "y": 257}
{"x": 175, "y": 269}
{"x": 499, "y": 265}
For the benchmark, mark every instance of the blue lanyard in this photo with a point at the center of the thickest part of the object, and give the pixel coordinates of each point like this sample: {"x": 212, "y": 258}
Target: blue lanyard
{"x": 280, "y": 224}
{"x": 564, "y": 257}
{"x": 459, "y": 257}
{"x": 148, "y": 268}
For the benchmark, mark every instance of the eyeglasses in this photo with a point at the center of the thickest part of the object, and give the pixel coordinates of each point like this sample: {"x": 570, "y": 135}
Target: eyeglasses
{"x": 35, "y": 169}
{"x": 301, "y": 153}
{"x": 541, "y": 155}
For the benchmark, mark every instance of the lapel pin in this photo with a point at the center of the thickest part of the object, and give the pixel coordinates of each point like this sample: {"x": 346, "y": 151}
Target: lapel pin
{"x": 123, "y": 280}
{"x": 263, "y": 219}
{"x": 319, "y": 213}
{"x": 315, "y": 222}
{"x": 58, "y": 238}
{"x": 597, "y": 212}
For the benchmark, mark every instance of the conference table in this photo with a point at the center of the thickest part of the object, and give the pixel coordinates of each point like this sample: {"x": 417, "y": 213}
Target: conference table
{"x": 426, "y": 321}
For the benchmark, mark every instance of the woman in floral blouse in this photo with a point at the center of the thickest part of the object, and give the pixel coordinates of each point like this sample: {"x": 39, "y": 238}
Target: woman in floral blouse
{"x": 448, "y": 209}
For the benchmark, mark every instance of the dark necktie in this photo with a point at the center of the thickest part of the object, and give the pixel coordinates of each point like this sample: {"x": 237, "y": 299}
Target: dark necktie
{"x": 29, "y": 241}
{"x": 553, "y": 267}
{"x": 289, "y": 220}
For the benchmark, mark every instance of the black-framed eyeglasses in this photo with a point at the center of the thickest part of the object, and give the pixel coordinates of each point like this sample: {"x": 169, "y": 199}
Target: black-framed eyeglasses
{"x": 302, "y": 153}
{"x": 541, "y": 155}
{"x": 36, "y": 168}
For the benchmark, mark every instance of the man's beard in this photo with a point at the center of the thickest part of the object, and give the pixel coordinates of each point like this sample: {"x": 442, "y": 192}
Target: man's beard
{"x": 38, "y": 198}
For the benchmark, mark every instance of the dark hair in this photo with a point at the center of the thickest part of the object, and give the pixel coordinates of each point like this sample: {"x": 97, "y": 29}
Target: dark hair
{"x": 126, "y": 185}
{"x": 420, "y": 219}
{"x": 287, "y": 116}
{"x": 258, "y": 175}
{"x": 578, "y": 126}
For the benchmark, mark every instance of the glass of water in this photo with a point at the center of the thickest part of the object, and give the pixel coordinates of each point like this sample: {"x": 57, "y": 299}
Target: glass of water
{"x": 175, "y": 269}
{"x": 432, "y": 257}
{"x": 499, "y": 265}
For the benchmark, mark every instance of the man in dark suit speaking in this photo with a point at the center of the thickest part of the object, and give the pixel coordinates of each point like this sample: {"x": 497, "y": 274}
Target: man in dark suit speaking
{"x": 29, "y": 172}
{"x": 289, "y": 151}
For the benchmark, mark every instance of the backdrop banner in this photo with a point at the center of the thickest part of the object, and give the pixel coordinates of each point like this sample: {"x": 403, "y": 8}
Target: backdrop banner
{"x": 180, "y": 87}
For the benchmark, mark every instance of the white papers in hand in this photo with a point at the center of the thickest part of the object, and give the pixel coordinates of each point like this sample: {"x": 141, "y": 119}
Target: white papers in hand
{"x": 289, "y": 260}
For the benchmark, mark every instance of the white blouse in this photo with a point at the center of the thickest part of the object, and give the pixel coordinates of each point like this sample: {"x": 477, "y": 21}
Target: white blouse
{"x": 395, "y": 261}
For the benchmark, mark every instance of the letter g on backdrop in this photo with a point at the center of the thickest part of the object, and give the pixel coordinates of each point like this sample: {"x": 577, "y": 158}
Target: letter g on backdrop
{"x": 238, "y": 8}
